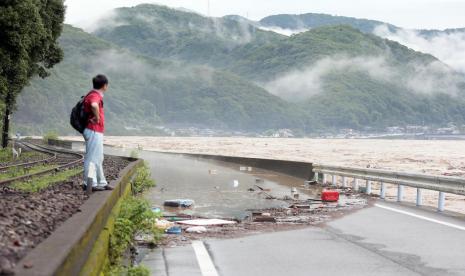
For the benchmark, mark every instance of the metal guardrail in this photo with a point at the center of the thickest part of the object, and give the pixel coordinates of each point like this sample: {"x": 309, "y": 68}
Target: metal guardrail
{"x": 442, "y": 184}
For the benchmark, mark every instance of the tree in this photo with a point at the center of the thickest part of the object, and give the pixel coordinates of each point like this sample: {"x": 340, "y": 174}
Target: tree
{"x": 29, "y": 30}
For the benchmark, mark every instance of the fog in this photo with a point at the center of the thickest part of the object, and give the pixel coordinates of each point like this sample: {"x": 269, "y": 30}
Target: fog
{"x": 302, "y": 84}
{"x": 449, "y": 48}
{"x": 286, "y": 32}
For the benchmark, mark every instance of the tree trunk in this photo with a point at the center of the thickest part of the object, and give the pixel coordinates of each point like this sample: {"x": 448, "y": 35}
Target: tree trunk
{"x": 6, "y": 125}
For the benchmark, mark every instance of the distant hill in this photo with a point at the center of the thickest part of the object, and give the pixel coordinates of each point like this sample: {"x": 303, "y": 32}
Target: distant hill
{"x": 170, "y": 66}
{"x": 163, "y": 32}
{"x": 145, "y": 92}
{"x": 315, "y": 20}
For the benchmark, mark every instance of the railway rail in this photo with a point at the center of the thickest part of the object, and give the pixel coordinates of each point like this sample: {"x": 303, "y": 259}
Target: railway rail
{"x": 62, "y": 159}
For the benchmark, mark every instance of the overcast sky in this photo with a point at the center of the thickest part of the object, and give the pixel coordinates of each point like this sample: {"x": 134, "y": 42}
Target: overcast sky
{"x": 437, "y": 14}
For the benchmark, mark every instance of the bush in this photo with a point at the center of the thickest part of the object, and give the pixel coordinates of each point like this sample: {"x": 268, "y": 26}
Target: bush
{"x": 130, "y": 271}
{"x": 135, "y": 217}
{"x": 143, "y": 180}
{"x": 51, "y": 135}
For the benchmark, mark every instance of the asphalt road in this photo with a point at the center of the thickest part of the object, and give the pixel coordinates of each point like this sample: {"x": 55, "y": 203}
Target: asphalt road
{"x": 386, "y": 239}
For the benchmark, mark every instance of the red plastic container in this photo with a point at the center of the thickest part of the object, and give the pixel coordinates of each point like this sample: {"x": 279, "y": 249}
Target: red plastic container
{"x": 330, "y": 196}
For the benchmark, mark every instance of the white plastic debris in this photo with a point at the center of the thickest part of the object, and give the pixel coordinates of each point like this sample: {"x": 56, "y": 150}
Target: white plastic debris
{"x": 206, "y": 222}
{"x": 196, "y": 229}
{"x": 236, "y": 183}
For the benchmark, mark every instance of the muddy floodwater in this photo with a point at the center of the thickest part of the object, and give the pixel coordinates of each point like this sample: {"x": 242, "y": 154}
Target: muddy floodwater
{"x": 219, "y": 189}
{"x": 416, "y": 156}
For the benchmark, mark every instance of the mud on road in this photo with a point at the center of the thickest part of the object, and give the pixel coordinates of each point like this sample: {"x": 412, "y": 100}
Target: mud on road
{"x": 298, "y": 214}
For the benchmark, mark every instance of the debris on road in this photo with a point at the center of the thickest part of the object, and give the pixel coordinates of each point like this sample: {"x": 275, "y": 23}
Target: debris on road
{"x": 196, "y": 229}
{"x": 163, "y": 224}
{"x": 183, "y": 203}
{"x": 329, "y": 196}
{"x": 175, "y": 230}
{"x": 206, "y": 222}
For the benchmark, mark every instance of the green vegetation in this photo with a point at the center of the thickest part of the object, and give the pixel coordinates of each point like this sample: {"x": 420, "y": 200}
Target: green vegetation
{"x": 146, "y": 92}
{"x": 143, "y": 180}
{"x": 19, "y": 171}
{"x": 51, "y": 135}
{"x": 316, "y": 20}
{"x": 37, "y": 184}
{"x": 169, "y": 67}
{"x": 135, "y": 218}
{"x": 6, "y": 155}
{"x": 29, "y": 31}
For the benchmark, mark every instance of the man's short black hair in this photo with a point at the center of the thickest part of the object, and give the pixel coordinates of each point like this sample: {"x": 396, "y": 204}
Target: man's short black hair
{"x": 99, "y": 81}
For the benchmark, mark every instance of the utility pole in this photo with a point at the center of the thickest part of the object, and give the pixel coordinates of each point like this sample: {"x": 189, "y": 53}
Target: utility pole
{"x": 208, "y": 8}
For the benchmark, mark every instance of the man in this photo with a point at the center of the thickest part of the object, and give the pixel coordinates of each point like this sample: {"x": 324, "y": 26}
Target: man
{"x": 93, "y": 135}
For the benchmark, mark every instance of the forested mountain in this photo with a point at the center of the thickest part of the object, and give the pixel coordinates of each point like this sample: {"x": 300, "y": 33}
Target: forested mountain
{"x": 144, "y": 92}
{"x": 170, "y": 66}
{"x": 315, "y": 20}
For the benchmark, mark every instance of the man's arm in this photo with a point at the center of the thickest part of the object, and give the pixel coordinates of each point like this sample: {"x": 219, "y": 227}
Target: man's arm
{"x": 96, "y": 111}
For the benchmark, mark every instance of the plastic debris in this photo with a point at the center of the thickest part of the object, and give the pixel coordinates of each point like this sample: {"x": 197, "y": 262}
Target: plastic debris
{"x": 212, "y": 171}
{"x": 163, "y": 224}
{"x": 196, "y": 229}
{"x": 236, "y": 183}
{"x": 330, "y": 196}
{"x": 156, "y": 210}
{"x": 175, "y": 230}
{"x": 206, "y": 222}
{"x": 183, "y": 203}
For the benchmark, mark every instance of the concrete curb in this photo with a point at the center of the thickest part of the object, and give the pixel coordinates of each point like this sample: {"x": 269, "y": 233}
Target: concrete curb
{"x": 293, "y": 168}
{"x": 80, "y": 245}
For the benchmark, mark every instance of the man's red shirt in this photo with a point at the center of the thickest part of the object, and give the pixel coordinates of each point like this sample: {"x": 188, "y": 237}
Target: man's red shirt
{"x": 95, "y": 97}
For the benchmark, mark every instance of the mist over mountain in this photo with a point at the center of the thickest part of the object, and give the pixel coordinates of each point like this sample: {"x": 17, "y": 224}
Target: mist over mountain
{"x": 448, "y": 45}
{"x": 169, "y": 66}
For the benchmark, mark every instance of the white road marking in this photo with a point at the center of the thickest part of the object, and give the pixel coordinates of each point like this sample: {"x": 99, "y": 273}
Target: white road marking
{"x": 203, "y": 258}
{"x": 421, "y": 217}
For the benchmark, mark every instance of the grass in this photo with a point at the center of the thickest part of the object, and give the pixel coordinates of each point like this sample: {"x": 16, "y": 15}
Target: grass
{"x": 17, "y": 171}
{"x": 7, "y": 156}
{"x": 39, "y": 183}
{"x": 135, "y": 217}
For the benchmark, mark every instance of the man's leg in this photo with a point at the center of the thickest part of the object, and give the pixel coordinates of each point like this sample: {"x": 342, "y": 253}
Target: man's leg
{"x": 101, "y": 180}
{"x": 90, "y": 157}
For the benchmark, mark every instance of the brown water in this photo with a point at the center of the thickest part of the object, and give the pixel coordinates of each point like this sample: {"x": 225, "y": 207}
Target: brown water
{"x": 219, "y": 189}
{"x": 419, "y": 156}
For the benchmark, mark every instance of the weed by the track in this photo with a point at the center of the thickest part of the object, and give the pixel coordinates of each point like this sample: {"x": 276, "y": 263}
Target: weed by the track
{"x": 20, "y": 171}
{"x": 37, "y": 184}
{"x": 6, "y": 155}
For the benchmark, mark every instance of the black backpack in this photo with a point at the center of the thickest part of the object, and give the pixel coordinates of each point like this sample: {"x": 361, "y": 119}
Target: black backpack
{"x": 79, "y": 117}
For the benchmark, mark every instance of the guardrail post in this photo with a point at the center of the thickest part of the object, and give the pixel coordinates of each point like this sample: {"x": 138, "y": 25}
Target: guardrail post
{"x": 383, "y": 191}
{"x": 419, "y": 198}
{"x": 441, "y": 201}
{"x": 368, "y": 190}
{"x": 355, "y": 185}
{"x": 400, "y": 193}
{"x": 334, "y": 180}
{"x": 344, "y": 181}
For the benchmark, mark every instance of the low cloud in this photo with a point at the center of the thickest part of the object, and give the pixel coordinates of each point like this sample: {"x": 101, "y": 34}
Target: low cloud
{"x": 303, "y": 84}
{"x": 448, "y": 47}
{"x": 286, "y": 32}
{"x": 424, "y": 79}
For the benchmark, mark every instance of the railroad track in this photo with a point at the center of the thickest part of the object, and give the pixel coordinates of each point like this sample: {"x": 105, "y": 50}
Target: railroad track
{"x": 60, "y": 158}
{"x": 50, "y": 157}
